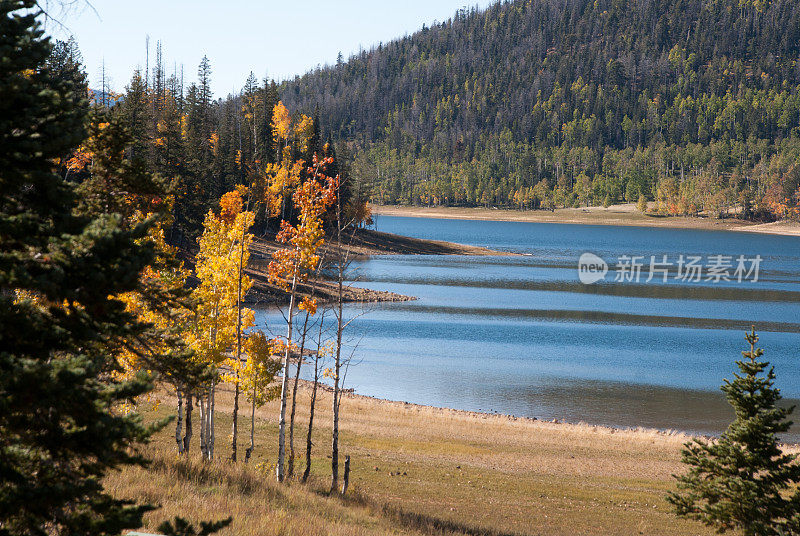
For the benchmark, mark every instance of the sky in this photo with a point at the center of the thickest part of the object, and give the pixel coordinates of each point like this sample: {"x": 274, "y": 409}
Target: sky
{"x": 275, "y": 39}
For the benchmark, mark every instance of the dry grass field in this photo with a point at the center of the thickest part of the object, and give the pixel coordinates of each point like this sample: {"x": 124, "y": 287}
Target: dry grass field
{"x": 420, "y": 470}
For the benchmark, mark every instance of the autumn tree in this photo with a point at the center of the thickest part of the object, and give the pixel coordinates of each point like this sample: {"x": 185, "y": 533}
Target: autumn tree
{"x": 256, "y": 375}
{"x": 217, "y": 320}
{"x": 293, "y": 263}
{"x": 641, "y": 204}
{"x": 287, "y": 172}
{"x": 232, "y": 209}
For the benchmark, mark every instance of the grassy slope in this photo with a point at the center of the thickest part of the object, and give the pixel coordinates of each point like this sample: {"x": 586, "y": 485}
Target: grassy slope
{"x": 419, "y": 470}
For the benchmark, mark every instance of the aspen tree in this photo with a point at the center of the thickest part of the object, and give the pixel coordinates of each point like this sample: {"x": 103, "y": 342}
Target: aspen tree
{"x": 292, "y": 264}
{"x": 256, "y": 375}
{"x": 217, "y": 320}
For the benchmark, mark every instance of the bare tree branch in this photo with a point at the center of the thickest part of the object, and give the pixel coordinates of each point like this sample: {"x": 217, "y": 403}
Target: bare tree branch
{"x": 65, "y": 7}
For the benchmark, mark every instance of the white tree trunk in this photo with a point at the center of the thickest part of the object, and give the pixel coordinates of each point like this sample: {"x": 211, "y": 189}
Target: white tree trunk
{"x": 279, "y": 469}
{"x": 235, "y": 431}
{"x": 338, "y": 357}
{"x": 249, "y": 451}
{"x": 211, "y": 421}
{"x": 179, "y": 422}
{"x": 201, "y": 403}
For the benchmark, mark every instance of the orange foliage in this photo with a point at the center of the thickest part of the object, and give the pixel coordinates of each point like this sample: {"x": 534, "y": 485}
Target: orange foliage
{"x": 80, "y": 159}
{"x": 84, "y": 155}
{"x": 309, "y": 305}
{"x": 230, "y": 206}
{"x": 213, "y": 142}
{"x": 312, "y": 198}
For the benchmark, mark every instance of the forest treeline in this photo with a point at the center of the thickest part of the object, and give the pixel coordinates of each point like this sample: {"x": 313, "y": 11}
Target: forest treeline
{"x": 200, "y": 146}
{"x": 543, "y": 103}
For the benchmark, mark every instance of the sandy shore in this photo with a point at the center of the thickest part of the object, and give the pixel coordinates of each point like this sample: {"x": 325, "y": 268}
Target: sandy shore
{"x": 626, "y": 215}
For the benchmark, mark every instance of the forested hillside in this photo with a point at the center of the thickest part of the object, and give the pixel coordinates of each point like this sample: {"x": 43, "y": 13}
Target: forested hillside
{"x": 693, "y": 103}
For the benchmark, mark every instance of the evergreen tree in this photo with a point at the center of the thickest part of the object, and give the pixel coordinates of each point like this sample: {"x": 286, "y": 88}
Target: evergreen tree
{"x": 122, "y": 185}
{"x": 744, "y": 481}
{"x": 137, "y": 113}
{"x": 59, "y": 324}
{"x": 169, "y": 141}
{"x": 66, "y": 62}
{"x": 119, "y": 181}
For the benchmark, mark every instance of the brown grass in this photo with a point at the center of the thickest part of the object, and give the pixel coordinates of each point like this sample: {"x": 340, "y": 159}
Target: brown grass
{"x": 420, "y": 470}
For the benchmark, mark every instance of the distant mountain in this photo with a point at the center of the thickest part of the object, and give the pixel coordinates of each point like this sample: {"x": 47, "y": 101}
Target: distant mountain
{"x": 105, "y": 98}
{"x": 492, "y": 102}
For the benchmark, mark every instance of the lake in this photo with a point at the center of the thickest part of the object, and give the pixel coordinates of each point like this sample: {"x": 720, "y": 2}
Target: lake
{"x": 522, "y": 334}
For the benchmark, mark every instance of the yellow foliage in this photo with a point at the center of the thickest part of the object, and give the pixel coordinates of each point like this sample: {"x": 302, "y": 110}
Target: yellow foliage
{"x": 158, "y": 276}
{"x": 185, "y": 127}
{"x": 256, "y": 374}
{"x": 224, "y": 247}
{"x": 281, "y": 179}
{"x": 281, "y": 122}
{"x": 293, "y": 263}
{"x": 304, "y": 131}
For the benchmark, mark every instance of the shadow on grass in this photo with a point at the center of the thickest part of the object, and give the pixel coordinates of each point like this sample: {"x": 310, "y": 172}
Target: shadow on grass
{"x": 240, "y": 478}
{"x": 434, "y": 525}
{"x": 413, "y": 520}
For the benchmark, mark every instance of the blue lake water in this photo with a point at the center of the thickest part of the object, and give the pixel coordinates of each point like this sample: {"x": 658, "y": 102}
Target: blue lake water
{"x": 522, "y": 335}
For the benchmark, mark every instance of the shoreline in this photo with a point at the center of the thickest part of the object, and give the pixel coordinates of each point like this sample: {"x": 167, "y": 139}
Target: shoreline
{"x": 621, "y": 215}
{"x": 507, "y": 417}
{"x": 682, "y": 435}
{"x": 363, "y": 244}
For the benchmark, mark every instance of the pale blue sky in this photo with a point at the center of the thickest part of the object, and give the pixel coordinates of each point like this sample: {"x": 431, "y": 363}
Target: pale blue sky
{"x": 279, "y": 39}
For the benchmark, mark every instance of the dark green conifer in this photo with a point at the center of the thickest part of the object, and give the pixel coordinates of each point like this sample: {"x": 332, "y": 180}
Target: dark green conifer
{"x": 59, "y": 325}
{"x": 743, "y": 481}
{"x": 136, "y": 110}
